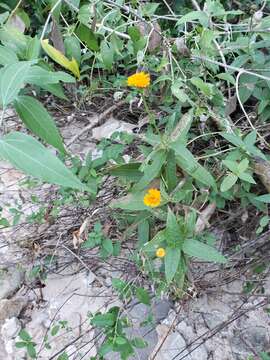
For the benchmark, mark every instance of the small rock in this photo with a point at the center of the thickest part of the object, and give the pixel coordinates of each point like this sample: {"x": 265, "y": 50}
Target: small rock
{"x": 111, "y": 126}
{"x": 11, "y": 307}
{"x": 11, "y": 328}
{"x": 10, "y": 281}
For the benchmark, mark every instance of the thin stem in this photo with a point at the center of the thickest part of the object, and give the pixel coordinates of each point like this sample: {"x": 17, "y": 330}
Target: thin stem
{"x": 48, "y": 19}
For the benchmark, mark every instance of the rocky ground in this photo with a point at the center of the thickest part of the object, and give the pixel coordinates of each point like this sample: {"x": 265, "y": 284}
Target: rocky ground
{"x": 220, "y": 322}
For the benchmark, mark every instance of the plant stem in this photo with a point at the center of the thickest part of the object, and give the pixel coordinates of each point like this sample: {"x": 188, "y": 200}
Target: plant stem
{"x": 152, "y": 120}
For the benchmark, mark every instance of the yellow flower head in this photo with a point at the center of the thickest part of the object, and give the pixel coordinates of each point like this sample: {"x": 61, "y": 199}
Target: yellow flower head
{"x": 160, "y": 252}
{"x": 139, "y": 80}
{"x": 152, "y": 198}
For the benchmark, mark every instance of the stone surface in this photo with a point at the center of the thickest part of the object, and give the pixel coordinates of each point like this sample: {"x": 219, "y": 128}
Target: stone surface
{"x": 11, "y": 307}
{"x": 10, "y": 281}
{"x": 112, "y": 125}
{"x": 11, "y": 328}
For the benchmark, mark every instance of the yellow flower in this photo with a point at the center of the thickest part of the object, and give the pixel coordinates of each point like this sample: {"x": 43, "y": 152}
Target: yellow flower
{"x": 139, "y": 80}
{"x": 160, "y": 252}
{"x": 152, "y": 198}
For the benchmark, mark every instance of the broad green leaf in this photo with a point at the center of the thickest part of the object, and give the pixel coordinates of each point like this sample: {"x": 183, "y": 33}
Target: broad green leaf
{"x": 39, "y": 76}
{"x": 24, "y": 335}
{"x": 103, "y": 320}
{"x": 108, "y": 246}
{"x": 151, "y": 171}
{"x": 201, "y": 16}
{"x": 12, "y": 79}
{"x": 33, "y": 48}
{"x": 31, "y": 351}
{"x": 134, "y": 33}
{"x": 172, "y": 229}
{"x": 226, "y": 77}
{"x": 105, "y": 348}
{"x": 55, "y": 89}
{"x": 157, "y": 240}
{"x": 206, "y": 88}
{"x": 247, "y": 177}
{"x": 7, "y": 56}
{"x": 228, "y": 182}
{"x": 14, "y": 39}
{"x": 189, "y": 164}
{"x": 63, "y": 356}
{"x": 37, "y": 119}
{"x": 231, "y": 165}
{"x": 170, "y": 169}
{"x": 73, "y": 48}
{"x": 143, "y": 296}
{"x": 181, "y": 130}
{"x": 233, "y": 138}
{"x": 131, "y": 202}
{"x": 128, "y": 171}
{"x": 250, "y": 139}
{"x": 106, "y": 52}
{"x": 172, "y": 259}
{"x": 243, "y": 165}
{"x": 87, "y": 36}
{"x": 143, "y": 233}
{"x": 60, "y": 59}
{"x": 178, "y": 92}
{"x": 263, "y": 198}
{"x": 84, "y": 14}
{"x": 30, "y": 156}
{"x": 202, "y": 251}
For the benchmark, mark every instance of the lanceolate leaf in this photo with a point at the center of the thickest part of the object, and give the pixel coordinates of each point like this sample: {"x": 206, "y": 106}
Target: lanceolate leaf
{"x": 27, "y": 154}
{"x": 152, "y": 170}
{"x": 37, "y": 119}
{"x": 39, "y": 76}
{"x": 172, "y": 230}
{"x": 189, "y": 164}
{"x": 12, "y": 78}
{"x": 60, "y": 58}
{"x": 172, "y": 259}
{"x": 7, "y": 56}
{"x": 202, "y": 251}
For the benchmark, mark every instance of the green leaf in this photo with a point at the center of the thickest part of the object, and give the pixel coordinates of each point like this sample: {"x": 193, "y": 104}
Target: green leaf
{"x": 106, "y": 52}
{"x": 247, "y": 177}
{"x": 231, "y": 165}
{"x": 206, "y": 88}
{"x": 73, "y": 48}
{"x": 143, "y": 296}
{"x": 55, "y": 329}
{"x": 134, "y": 33}
{"x": 201, "y": 16}
{"x": 20, "y": 344}
{"x": 63, "y": 356}
{"x": 202, "y": 251}
{"x": 151, "y": 171}
{"x": 103, "y": 320}
{"x": 143, "y": 233}
{"x": 226, "y": 77}
{"x": 172, "y": 259}
{"x": 228, "y": 182}
{"x": 189, "y": 164}
{"x": 12, "y": 79}
{"x": 243, "y": 165}
{"x": 7, "y": 56}
{"x": 171, "y": 171}
{"x": 33, "y": 49}
{"x": 55, "y": 89}
{"x": 178, "y": 92}
{"x": 24, "y": 335}
{"x": 39, "y": 76}
{"x": 172, "y": 229}
{"x": 139, "y": 343}
{"x": 30, "y": 156}
{"x": 128, "y": 171}
{"x": 263, "y": 198}
{"x": 132, "y": 202}
{"x": 88, "y": 37}
{"x": 157, "y": 240}
{"x": 233, "y": 138}
{"x": 108, "y": 246}
{"x": 120, "y": 340}
{"x": 31, "y": 351}
{"x": 250, "y": 139}
{"x": 37, "y": 119}
{"x": 105, "y": 348}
